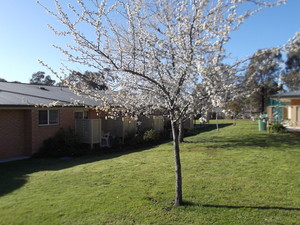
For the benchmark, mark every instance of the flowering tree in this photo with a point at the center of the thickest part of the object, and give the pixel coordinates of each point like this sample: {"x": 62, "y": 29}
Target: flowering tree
{"x": 152, "y": 54}
{"x": 225, "y": 86}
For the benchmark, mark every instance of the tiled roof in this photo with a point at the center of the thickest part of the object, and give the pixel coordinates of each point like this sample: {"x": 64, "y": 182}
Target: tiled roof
{"x": 19, "y": 94}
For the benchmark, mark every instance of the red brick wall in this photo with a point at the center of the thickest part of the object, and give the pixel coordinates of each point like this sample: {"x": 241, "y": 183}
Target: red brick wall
{"x": 43, "y": 132}
{"x": 92, "y": 114}
{"x": 21, "y": 134}
{"x": 13, "y": 133}
{"x": 295, "y": 102}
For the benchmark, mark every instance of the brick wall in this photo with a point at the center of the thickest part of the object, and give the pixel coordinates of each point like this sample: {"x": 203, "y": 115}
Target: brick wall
{"x": 92, "y": 114}
{"x": 21, "y": 134}
{"x": 295, "y": 102}
{"x": 43, "y": 132}
{"x": 13, "y": 133}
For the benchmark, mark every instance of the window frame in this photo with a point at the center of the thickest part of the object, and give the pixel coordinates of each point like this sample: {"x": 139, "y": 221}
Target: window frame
{"x": 84, "y": 114}
{"x": 49, "y": 122}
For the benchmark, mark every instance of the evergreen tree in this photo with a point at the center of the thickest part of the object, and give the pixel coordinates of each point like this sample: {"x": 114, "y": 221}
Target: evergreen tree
{"x": 263, "y": 72}
{"x": 40, "y": 78}
{"x": 291, "y": 74}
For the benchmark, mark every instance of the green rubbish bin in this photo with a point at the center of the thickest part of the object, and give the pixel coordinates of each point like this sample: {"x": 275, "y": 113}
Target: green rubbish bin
{"x": 262, "y": 122}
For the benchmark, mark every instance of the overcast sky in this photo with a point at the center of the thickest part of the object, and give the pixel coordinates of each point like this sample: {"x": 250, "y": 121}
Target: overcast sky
{"x": 25, "y": 38}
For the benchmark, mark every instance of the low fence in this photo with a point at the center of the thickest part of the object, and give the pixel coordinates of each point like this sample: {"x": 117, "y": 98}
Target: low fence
{"x": 91, "y": 130}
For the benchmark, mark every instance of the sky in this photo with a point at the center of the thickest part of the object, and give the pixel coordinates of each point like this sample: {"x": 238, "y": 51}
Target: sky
{"x": 25, "y": 37}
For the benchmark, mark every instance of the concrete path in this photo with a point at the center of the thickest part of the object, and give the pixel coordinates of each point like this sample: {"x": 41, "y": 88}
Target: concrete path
{"x": 14, "y": 159}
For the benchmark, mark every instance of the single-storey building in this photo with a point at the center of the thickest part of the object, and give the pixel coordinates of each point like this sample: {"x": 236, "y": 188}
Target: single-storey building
{"x": 285, "y": 107}
{"x": 26, "y": 119}
{"x": 30, "y": 114}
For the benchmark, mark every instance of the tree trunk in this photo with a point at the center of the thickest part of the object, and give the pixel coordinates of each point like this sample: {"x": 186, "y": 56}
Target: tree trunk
{"x": 181, "y": 131}
{"x": 217, "y": 122}
{"x": 262, "y": 100}
{"x": 178, "y": 184}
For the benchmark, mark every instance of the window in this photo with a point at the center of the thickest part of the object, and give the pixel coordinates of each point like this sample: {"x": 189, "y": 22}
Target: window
{"x": 48, "y": 117}
{"x": 81, "y": 115}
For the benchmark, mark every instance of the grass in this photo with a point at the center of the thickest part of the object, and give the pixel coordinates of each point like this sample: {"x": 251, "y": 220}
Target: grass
{"x": 235, "y": 176}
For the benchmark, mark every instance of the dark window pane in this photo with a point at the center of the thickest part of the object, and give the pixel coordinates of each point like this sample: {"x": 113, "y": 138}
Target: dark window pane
{"x": 85, "y": 115}
{"x": 78, "y": 115}
{"x": 43, "y": 117}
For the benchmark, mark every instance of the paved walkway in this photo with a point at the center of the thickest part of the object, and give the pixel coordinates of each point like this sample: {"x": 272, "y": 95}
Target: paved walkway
{"x": 14, "y": 159}
{"x": 293, "y": 129}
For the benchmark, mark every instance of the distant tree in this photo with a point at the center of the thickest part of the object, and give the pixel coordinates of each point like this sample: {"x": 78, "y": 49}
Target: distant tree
{"x": 94, "y": 80}
{"x": 226, "y": 87}
{"x": 2, "y": 80}
{"x": 263, "y": 71}
{"x": 291, "y": 74}
{"x": 48, "y": 81}
{"x": 250, "y": 104}
{"x": 40, "y": 78}
{"x": 234, "y": 109}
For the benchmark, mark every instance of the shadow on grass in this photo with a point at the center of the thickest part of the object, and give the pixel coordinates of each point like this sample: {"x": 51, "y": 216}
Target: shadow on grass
{"x": 13, "y": 175}
{"x": 240, "y": 207}
{"x": 280, "y": 142}
{"x": 205, "y": 128}
{"x": 199, "y": 129}
{"x": 210, "y": 127}
{"x": 263, "y": 139}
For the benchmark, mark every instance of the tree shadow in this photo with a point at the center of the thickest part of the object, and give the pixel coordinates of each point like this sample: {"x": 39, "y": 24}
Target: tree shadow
{"x": 187, "y": 203}
{"x": 14, "y": 175}
{"x": 210, "y": 127}
{"x": 252, "y": 140}
{"x": 205, "y": 128}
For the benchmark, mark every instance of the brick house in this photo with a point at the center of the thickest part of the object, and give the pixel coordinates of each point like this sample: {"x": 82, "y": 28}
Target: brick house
{"x": 26, "y": 118}
{"x": 25, "y": 121}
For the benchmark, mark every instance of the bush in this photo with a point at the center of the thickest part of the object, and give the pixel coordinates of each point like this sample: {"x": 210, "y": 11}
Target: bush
{"x": 64, "y": 143}
{"x": 133, "y": 139}
{"x": 277, "y": 128}
{"x": 165, "y": 134}
{"x": 115, "y": 142}
{"x": 144, "y": 138}
{"x": 150, "y": 136}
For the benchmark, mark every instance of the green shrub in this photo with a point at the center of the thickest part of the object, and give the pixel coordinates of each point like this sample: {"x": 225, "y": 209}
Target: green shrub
{"x": 64, "y": 143}
{"x": 150, "y": 136}
{"x": 277, "y": 128}
{"x": 133, "y": 139}
{"x": 115, "y": 142}
{"x": 165, "y": 134}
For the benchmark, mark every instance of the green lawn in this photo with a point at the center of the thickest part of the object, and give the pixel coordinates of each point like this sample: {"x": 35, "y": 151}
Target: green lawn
{"x": 235, "y": 176}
